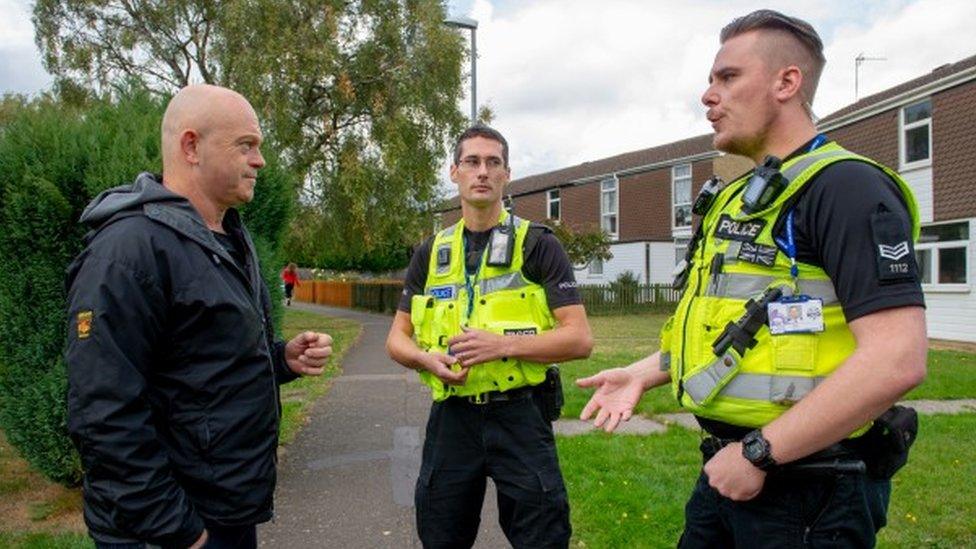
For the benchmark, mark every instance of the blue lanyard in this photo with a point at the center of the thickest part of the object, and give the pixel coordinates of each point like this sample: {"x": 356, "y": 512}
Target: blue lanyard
{"x": 470, "y": 278}
{"x": 789, "y": 245}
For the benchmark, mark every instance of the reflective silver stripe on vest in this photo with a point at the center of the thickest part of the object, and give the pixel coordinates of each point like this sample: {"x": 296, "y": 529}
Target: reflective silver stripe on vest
{"x": 449, "y": 232}
{"x": 806, "y": 161}
{"x": 771, "y": 388}
{"x": 701, "y": 386}
{"x": 746, "y": 286}
{"x": 665, "y": 362}
{"x": 510, "y": 281}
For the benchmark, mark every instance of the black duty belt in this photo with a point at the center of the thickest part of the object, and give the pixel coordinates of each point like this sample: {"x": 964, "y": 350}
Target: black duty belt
{"x": 836, "y": 459}
{"x": 497, "y": 396}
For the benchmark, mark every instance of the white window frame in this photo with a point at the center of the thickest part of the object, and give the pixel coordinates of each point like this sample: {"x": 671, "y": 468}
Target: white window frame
{"x": 903, "y": 128}
{"x": 674, "y": 195}
{"x": 615, "y": 213}
{"x": 550, "y": 201}
{"x": 933, "y": 248}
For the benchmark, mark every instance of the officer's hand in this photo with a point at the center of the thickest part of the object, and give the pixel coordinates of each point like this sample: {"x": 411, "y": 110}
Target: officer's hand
{"x": 307, "y": 353}
{"x": 478, "y": 346}
{"x": 439, "y": 364}
{"x": 733, "y": 475}
{"x": 617, "y": 393}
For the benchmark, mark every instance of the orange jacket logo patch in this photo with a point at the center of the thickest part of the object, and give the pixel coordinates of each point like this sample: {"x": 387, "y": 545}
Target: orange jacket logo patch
{"x": 84, "y": 324}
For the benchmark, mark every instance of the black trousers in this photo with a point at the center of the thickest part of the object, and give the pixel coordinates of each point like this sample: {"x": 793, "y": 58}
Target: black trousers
{"x": 508, "y": 441}
{"x": 842, "y": 511}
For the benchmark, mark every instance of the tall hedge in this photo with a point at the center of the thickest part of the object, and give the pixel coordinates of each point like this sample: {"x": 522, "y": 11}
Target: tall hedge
{"x": 54, "y": 158}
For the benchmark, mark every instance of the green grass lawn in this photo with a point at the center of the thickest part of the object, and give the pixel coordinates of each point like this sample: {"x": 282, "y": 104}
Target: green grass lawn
{"x": 298, "y": 396}
{"x": 630, "y": 491}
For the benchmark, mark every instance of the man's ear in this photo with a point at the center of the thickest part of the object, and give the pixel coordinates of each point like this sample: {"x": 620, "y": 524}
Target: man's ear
{"x": 189, "y": 146}
{"x": 789, "y": 83}
{"x": 454, "y": 170}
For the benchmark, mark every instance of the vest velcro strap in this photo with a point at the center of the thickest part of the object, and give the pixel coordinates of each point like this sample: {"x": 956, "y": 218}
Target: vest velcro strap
{"x": 747, "y": 286}
{"x": 665, "y": 362}
{"x": 810, "y": 159}
{"x": 772, "y": 388}
{"x": 704, "y": 385}
{"x": 509, "y": 281}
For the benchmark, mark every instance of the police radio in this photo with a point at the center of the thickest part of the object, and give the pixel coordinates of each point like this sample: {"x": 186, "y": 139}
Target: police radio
{"x": 764, "y": 186}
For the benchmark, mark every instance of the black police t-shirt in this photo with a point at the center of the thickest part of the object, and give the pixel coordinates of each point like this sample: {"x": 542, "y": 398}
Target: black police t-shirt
{"x": 851, "y": 221}
{"x": 546, "y": 264}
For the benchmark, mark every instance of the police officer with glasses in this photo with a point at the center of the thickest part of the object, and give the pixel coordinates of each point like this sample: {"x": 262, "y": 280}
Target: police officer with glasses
{"x": 488, "y": 304}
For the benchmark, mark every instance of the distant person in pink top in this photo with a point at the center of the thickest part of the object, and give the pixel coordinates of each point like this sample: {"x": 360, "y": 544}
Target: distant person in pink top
{"x": 289, "y": 275}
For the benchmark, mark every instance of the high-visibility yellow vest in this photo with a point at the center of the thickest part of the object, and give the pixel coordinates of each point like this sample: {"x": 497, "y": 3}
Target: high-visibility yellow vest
{"x": 495, "y": 299}
{"x": 754, "y": 389}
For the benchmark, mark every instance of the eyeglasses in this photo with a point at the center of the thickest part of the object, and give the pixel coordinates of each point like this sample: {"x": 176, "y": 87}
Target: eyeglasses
{"x": 492, "y": 163}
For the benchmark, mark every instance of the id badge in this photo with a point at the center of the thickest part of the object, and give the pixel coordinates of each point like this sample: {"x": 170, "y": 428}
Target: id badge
{"x": 795, "y": 315}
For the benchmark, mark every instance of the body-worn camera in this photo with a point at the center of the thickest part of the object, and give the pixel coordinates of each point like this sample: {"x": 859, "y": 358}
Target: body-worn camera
{"x": 764, "y": 186}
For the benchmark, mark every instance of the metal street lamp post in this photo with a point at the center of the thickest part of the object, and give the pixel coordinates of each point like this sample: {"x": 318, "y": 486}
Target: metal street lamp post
{"x": 461, "y": 22}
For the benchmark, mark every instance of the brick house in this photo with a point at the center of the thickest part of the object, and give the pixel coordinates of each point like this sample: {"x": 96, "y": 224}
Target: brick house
{"x": 923, "y": 128}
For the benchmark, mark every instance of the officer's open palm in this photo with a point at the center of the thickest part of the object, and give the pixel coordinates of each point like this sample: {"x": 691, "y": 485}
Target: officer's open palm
{"x": 307, "y": 353}
{"x": 617, "y": 393}
{"x": 440, "y": 364}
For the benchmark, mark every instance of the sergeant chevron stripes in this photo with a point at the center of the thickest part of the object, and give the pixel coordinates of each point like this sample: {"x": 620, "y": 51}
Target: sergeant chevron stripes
{"x": 895, "y": 252}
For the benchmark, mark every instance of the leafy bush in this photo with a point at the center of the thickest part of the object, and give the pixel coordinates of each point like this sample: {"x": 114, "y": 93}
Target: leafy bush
{"x": 54, "y": 158}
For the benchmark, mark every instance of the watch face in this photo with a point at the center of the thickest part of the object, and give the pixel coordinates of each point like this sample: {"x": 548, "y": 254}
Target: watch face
{"x": 752, "y": 449}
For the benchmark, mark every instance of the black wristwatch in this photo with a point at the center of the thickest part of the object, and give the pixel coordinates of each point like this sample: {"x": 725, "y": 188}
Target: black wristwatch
{"x": 757, "y": 450}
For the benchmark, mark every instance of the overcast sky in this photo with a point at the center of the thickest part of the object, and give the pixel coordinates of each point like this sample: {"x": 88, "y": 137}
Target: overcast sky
{"x": 578, "y": 80}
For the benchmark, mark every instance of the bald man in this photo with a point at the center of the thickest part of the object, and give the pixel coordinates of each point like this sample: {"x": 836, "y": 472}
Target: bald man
{"x": 173, "y": 369}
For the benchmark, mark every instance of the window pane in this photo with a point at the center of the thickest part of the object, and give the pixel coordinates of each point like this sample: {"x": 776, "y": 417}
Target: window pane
{"x": 918, "y": 111}
{"x": 943, "y": 233}
{"x": 612, "y": 224}
{"x": 679, "y": 254}
{"x": 554, "y": 194}
{"x": 554, "y": 210}
{"x": 683, "y": 170}
{"x": 596, "y": 266}
{"x": 924, "y": 260}
{"x": 682, "y": 191}
{"x": 917, "y": 144}
{"x": 952, "y": 265}
{"x": 682, "y": 216}
{"x": 609, "y": 185}
{"x": 609, "y": 202}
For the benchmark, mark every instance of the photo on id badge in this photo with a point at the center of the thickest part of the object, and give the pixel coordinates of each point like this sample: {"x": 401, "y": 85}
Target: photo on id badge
{"x": 795, "y": 315}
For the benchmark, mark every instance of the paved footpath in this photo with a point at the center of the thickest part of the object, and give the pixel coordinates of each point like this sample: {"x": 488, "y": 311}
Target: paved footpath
{"x": 347, "y": 479}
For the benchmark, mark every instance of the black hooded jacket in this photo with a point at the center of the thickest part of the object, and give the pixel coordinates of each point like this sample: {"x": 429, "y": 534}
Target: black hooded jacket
{"x": 173, "y": 371}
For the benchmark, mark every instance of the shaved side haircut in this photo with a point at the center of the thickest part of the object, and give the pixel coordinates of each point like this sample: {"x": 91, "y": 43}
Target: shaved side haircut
{"x": 798, "y": 44}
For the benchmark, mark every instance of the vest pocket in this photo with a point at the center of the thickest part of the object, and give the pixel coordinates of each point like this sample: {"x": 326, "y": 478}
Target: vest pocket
{"x": 794, "y": 353}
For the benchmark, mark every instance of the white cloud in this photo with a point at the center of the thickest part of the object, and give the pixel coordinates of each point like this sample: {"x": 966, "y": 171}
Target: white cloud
{"x": 20, "y": 62}
{"x": 577, "y": 80}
